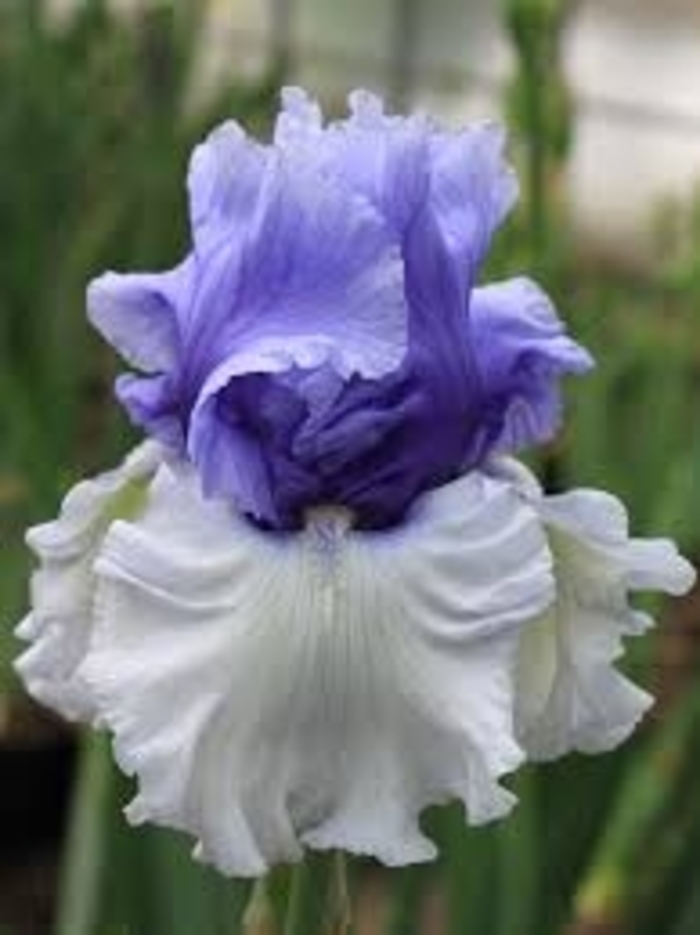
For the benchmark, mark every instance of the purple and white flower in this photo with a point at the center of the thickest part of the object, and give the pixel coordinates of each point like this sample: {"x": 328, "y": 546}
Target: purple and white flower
{"x": 323, "y": 595}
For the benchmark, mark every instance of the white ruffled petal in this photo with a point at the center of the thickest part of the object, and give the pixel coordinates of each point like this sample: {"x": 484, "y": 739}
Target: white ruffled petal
{"x": 273, "y": 691}
{"x": 63, "y": 587}
{"x": 569, "y": 694}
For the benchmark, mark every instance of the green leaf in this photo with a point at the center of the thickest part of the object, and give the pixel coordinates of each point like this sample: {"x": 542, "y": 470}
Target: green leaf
{"x": 85, "y": 859}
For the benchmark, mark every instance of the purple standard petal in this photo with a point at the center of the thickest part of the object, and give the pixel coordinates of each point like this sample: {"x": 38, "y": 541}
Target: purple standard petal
{"x": 380, "y": 158}
{"x": 226, "y": 180}
{"x": 406, "y": 164}
{"x": 318, "y": 266}
{"x": 143, "y": 316}
{"x": 140, "y": 314}
{"x": 472, "y": 190}
{"x": 319, "y": 282}
{"x": 459, "y": 397}
{"x": 289, "y": 259}
{"x": 450, "y": 189}
{"x": 323, "y": 341}
{"x": 385, "y": 159}
{"x": 444, "y": 193}
{"x": 153, "y": 403}
{"x": 523, "y": 351}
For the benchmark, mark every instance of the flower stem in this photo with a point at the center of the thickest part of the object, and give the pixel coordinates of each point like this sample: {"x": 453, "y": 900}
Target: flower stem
{"x": 319, "y": 903}
{"x": 84, "y": 861}
{"x": 340, "y": 908}
{"x": 541, "y": 107}
{"x": 643, "y": 822}
{"x": 259, "y": 917}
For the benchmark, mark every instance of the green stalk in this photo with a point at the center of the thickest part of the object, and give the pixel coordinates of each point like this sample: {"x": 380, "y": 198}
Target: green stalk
{"x": 639, "y": 819}
{"x": 319, "y": 903}
{"x": 407, "y": 895}
{"x": 341, "y": 905}
{"x": 84, "y": 859}
{"x": 542, "y": 112}
{"x": 470, "y": 875}
{"x": 259, "y": 917}
{"x": 518, "y": 847}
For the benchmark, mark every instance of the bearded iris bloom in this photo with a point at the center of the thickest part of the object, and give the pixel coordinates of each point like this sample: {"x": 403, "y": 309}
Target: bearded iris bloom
{"x": 324, "y": 595}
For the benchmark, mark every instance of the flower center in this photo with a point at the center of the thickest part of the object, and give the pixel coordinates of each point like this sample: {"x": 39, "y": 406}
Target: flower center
{"x": 327, "y": 524}
{"x": 326, "y": 527}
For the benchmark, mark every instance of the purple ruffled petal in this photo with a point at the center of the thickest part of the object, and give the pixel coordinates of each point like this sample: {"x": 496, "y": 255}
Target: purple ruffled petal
{"x": 153, "y": 403}
{"x": 227, "y": 176}
{"x": 523, "y": 351}
{"x": 323, "y": 342}
{"x": 139, "y": 313}
{"x": 383, "y": 158}
{"x": 472, "y": 190}
{"x": 311, "y": 262}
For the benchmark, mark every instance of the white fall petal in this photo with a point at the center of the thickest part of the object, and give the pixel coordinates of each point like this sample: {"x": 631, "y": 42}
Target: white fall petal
{"x": 569, "y": 695}
{"x": 272, "y": 691}
{"x": 60, "y": 623}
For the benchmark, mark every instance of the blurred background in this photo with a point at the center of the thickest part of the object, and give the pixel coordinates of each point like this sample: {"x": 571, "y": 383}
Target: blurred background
{"x": 100, "y": 104}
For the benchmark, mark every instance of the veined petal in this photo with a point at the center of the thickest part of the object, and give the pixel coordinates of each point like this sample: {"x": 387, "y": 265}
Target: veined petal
{"x": 140, "y": 313}
{"x": 472, "y": 190}
{"x": 445, "y": 192}
{"x": 152, "y": 403}
{"x": 406, "y": 166}
{"x": 522, "y": 352}
{"x": 299, "y": 123}
{"x": 299, "y": 258}
{"x": 317, "y": 688}
{"x": 569, "y": 694}
{"x": 323, "y": 267}
{"x": 381, "y": 158}
{"x": 63, "y": 588}
{"x": 385, "y": 158}
{"x": 322, "y": 287}
{"x": 226, "y": 177}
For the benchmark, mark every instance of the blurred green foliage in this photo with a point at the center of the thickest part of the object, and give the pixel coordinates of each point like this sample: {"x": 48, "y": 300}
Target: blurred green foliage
{"x": 95, "y": 131}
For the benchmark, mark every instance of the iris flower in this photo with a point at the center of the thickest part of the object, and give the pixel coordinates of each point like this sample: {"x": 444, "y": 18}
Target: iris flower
{"x": 323, "y": 594}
